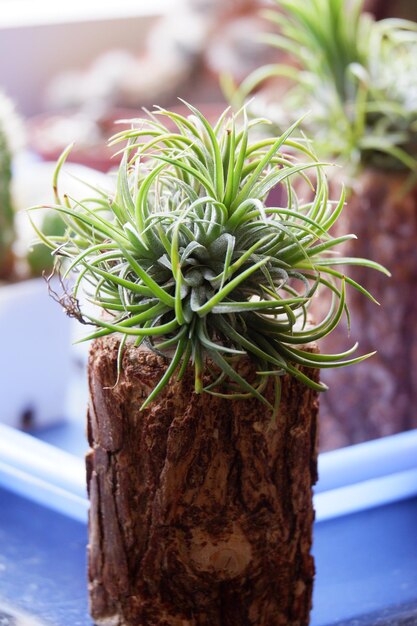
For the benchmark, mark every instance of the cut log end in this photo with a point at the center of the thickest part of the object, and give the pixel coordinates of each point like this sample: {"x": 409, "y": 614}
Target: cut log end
{"x": 201, "y": 509}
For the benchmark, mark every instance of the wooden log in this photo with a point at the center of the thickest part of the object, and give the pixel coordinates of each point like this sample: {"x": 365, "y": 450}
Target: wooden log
{"x": 377, "y": 397}
{"x": 7, "y": 265}
{"x": 201, "y": 510}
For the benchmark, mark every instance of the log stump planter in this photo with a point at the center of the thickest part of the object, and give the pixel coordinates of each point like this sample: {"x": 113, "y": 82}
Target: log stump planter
{"x": 378, "y": 398}
{"x": 201, "y": 508}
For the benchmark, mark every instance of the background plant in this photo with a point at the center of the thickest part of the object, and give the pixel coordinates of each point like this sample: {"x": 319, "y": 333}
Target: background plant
{"x": 187, "y": 258}
{"x": 39, "y": 258}
{"x": 7, "y": 226}
{"x": 355, "y": 75}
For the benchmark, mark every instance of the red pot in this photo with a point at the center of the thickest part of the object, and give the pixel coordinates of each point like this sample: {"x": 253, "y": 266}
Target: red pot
{"x": 50, "y": 134}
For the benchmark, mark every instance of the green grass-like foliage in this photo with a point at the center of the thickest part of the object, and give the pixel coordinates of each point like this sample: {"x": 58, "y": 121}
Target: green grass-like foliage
{"x": 187, "y": 258}
{"x": 356, "y": 76}
{"x": 7, "y": 215}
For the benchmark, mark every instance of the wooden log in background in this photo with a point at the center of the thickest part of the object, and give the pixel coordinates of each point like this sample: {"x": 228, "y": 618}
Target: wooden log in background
{"x": 377, "y": 397}
{"x": 201, "y": 510}
{"x": 7, "y": 269}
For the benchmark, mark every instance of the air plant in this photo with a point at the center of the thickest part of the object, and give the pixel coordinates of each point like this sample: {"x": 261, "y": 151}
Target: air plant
{"x": 187, "y": 258}
{"x": 355, "y": 75}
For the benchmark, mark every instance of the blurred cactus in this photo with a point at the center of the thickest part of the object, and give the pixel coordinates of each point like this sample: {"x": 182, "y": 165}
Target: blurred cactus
{"x": 10, "y": 139}
{"x": 7, "y": 230}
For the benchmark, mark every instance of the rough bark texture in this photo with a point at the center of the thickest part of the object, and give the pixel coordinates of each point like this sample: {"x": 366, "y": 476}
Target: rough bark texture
{"x": 377, "y": 397}
{"x": 201, "y": 511}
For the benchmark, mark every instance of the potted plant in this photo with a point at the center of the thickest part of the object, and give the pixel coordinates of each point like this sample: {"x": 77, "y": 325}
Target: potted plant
{"x": 357, "y": 77}
{"x": 203, "y": 371}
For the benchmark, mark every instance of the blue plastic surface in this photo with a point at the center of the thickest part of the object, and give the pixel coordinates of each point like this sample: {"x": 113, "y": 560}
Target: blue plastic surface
{"x": 366, "y": 563}
{"x": 42, "y": 563}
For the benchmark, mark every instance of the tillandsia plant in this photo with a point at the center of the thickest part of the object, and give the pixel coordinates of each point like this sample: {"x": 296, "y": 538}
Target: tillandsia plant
{"x": 187, "y": 258}
{"x": 355, "y": 75}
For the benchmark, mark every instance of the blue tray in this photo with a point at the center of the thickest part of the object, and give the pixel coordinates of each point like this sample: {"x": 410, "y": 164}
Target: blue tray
{"x": 365, "y": 540}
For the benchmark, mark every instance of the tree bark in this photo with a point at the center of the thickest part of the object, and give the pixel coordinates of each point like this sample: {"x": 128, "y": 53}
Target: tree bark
{"x": 377, "y": 397}
{"x": 201, "y": 510}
